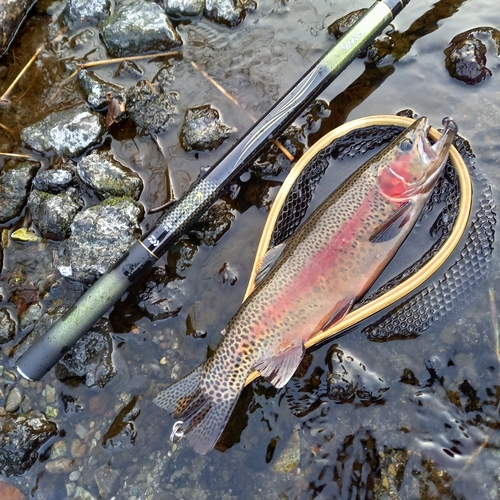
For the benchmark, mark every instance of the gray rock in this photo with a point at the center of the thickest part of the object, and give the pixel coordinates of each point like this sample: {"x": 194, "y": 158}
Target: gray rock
{"x": 179, "y": 9}
{"x": 15, "y": 180}
{"x": 83, "y": 494}
{"x": 13, "y": 15}
{"x": 7, "y": 326}
{"x": 99, "y": 236}
{"x": 13, "y": 402}
{"x": 210, "y": 228}
{"x": 228, "y": 12}
{"x": 105, "y": 478}
{"x": 139, "y": 28}
{"x": 21, "y": 435}
{"x": 54, "y": 213}
{"x": 202, "y": 129}
{"x": 108, "y": 177}
{"x": 66, "y": 133}
{"x": 162, "y": 296}
{"x": 151, "y": 111}
{"x": 98, "y": 90}
{"x": 59, "y": 466}
{"x": 79, "y": 13}
{"x": 90, "y": 358}
{"x": 55, "y": 180}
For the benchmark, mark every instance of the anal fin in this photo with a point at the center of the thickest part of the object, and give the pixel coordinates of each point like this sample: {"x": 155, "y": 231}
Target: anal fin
{"x": 278, "y": 369}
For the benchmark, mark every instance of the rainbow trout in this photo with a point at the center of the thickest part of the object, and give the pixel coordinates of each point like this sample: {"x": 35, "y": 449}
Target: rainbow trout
{"x": 311, "y": 280}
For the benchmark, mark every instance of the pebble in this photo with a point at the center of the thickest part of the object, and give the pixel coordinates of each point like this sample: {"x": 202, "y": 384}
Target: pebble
{"x": 59, "y": 466}
{"x": 50, "y": 394}
{"x": 9, "y": 376}
{"x": 78, "y": 448}
{"x": 51, "y": 412}
{"x": 25, "y": 235}
{"x": 58, "y": 450}
{"x": 13, "y": 400}
{"x": 81, "y": 430}
{"x": 75, "y": 475}
{"x": 70, "y": 489}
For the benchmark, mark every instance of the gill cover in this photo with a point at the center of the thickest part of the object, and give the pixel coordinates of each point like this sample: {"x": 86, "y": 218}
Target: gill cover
{"x": 416, "y": 164}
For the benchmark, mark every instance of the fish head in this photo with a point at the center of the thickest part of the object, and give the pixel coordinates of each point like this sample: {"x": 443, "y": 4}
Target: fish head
{"x": 413, "y": 164}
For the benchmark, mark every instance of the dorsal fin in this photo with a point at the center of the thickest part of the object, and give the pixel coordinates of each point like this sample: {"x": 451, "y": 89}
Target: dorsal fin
{"x": 268, "y": 262}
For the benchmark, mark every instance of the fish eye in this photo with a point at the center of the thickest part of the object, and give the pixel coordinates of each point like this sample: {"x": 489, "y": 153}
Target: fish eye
{"x": 406, "y": 145}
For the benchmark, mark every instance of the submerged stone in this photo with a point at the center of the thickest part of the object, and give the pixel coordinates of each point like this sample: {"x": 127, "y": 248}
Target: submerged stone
{"x": 15, "y": 181}
{"x": 54, "y": 213}
{"x": 466, "y": 55}
{"x": 98, "y": 91}
{"x": 202, "y": 129}
{"x": 152, "y": 111}
{"x": 178, "y": 9}
{"x": 90, "y": 358}
{"x": 79, "y": 13}
{"x": 139, "y": 28}
{"x": 66, "y": 133}
{"x": 21, "y": 435}
{"x": 99, "y": 237}
{"x": 108, "y": 177}
{"x": 162, "y": 296}
{"x": 228, "y": 12}
{"x": 210, "y": 228}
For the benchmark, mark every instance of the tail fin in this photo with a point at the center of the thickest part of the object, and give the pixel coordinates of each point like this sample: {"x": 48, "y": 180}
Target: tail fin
{"x": 203, "y": 419}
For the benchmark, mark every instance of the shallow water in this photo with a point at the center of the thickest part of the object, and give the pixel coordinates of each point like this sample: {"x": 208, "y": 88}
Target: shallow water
{"x": 433, "y": 430}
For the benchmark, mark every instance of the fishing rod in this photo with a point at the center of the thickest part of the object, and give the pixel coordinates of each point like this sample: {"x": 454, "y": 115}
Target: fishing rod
{"x": 142, "y": 255}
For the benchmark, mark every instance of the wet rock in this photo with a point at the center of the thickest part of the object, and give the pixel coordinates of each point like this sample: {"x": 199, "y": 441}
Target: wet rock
{"x": 15, "y": 179}
{"x": 348, "y": 380}
{"x": 55, "y": 180}
{"x": 65, "y": 133}
{"x": 466, "y": 55}
{"x": 122, "y": 432}
{"x": 54, "y": 213}
{"x": 24, "y": 235}
{"x": 41, "y": 327}
{"x": 91, "y": 357}
{"x": 12, "y": 16}
{"x": 79, "y": 13}
{"x": 13, "y": 401}
{"x": 342, "y": 25}
{"x": 58, "y": 450}
{"x": 139, "y": 28}
{"x": 289, "y": 458}
{"x": 178, "y": 9}
{"x": 202, "y": 129}
{"x": 105, "y": 478}
{"x": 228, "y": 12}
{"x": 21, "y": 435}
{"x": 7, "y": 326}
{"x": 108, "y": 177}
{"x": 210, "y": 228}
{"x": 162, "y": 296}
{"x": 29, "y": 317}
{"x": 99, "y": 236}
{"x": 151, "y": 110}
{"x": 98, "y": 90}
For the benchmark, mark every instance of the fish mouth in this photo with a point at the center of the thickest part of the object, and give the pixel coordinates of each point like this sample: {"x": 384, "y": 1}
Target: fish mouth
{"x": 435, "y": 155}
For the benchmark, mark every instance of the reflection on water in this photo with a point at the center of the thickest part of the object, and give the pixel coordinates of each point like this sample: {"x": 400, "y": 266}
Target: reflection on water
{"x": 407, "y": 419}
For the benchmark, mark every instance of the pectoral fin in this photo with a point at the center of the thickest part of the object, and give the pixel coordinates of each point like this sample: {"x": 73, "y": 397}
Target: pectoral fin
{"x": 278, "y": 370}
{"x": 340, "y": 311}
{"x": 392, "y": 226}
{"x": 268, "y": 261}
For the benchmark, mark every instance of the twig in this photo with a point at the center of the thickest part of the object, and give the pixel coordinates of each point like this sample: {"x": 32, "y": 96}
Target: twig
{"x": 102, "y": 62}
{"x": 7, "y": 129}
{"x": 4, "y": 100}
{"x": 16, "y": 155}
{"x": 235, "y": 101}
{"x": 161, "y": 207}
